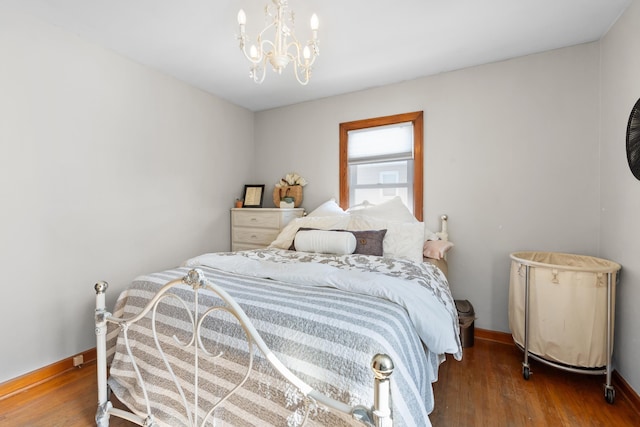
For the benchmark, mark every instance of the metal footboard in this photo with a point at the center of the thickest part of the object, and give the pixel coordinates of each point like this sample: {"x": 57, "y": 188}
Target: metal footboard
{"x": 382, "y": 366}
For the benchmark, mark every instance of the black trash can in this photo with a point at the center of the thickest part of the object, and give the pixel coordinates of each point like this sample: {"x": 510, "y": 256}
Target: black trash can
{"x": 466, "y": 316}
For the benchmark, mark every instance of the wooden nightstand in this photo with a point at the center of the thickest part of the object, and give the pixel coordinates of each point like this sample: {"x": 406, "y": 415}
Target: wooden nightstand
{"x": 254, "y": 228}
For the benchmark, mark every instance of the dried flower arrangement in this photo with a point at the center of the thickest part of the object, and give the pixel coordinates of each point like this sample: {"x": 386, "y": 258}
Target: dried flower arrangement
{"x": 292, "y": 179}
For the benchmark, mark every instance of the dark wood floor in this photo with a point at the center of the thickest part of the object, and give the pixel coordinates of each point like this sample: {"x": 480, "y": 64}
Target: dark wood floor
{"x": 485, "y": 389}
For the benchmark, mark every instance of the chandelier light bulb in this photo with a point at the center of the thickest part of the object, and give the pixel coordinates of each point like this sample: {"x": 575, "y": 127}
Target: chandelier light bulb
{"x": 242, "y": 17}
{"x": 253, "y": 52}
{"x": 315, "y": 24}
{"x": 306, "y": 53}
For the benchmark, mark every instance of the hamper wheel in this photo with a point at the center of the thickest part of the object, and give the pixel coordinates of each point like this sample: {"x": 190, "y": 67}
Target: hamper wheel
{"x": 526, "y": 372}
{"x": 609, "y": 395}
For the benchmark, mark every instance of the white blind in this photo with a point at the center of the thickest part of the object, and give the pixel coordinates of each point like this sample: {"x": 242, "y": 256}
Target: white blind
{"x": 390, "y": 142}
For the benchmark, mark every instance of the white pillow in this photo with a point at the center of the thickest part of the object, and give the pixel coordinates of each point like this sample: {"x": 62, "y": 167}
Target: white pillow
{"x": 325, "y": 242}
{"x": 328, "y": 208}
{"x": 356, "y": 208}
{"x": 402, "y": 240}
{"x": 288, "y": 233}
{"x": 390, "y": 210}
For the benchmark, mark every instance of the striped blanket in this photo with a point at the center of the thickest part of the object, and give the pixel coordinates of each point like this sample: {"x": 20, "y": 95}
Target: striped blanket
{"x": 315, "y": 314}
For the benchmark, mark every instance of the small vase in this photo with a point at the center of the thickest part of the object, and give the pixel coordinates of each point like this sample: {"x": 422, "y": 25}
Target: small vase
{"x": 294, "y": 191}
{"x": 287, "y": 203}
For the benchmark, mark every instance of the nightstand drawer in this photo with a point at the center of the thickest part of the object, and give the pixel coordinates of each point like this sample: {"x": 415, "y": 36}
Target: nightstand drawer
{"x": 254, "y": 236}
{"x": 257, "y": 219}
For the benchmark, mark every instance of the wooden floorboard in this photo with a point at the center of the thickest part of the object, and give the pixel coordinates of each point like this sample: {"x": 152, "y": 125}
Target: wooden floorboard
{"x": 485, "y": 389}
{"x": 68, "y": 400}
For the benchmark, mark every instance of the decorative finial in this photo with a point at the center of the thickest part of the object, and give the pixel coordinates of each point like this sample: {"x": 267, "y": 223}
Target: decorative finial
{"x": 382, "y": 366}
{"x": 195, "y": 278}
{"x": 101, "y": 287}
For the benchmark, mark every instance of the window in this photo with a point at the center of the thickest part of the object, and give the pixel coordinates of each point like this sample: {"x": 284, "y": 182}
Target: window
{"x": 382, "y": 158}
{"x": 390, "y": 177}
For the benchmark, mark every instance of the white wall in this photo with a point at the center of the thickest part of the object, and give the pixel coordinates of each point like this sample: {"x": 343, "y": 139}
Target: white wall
{"x": 620, "y": 204}
{"x": 511, "y": 155}
{"x": 107, "y": 170}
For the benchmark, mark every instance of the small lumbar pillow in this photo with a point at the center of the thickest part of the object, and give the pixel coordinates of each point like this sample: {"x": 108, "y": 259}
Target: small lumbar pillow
{"x": 326, "y": 242}
{"x": 288, "y": 233}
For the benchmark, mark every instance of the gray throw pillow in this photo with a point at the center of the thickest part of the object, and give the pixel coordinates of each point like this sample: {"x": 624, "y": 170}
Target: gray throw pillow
{"x": 369, "y": 242}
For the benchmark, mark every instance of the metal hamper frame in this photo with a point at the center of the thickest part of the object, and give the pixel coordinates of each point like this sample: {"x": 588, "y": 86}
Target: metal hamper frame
{"x": 609, "y": 391}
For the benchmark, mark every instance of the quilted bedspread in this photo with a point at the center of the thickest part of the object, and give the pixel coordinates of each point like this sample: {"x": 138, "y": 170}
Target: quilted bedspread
{"x": 324, "y": 316}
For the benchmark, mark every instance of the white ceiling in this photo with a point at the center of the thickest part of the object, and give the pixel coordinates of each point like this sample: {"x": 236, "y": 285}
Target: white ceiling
{"x": 363, "y": 43}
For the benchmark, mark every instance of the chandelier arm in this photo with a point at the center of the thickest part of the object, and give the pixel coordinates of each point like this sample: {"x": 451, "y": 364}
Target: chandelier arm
{"x": 261, "y": 49}
{"x": 315, "y": 49}
{"x": 267, "y": 28}
{"x": 313, "y": 58}
{"x": 259, "y": 43}
{"x": 299, "y": 57}
{"x": 249, "y": 58}
{"x": 295, "y": 58}
{"x": 258, "y": 72}
{"x": 264, "y": 43}
{"x": 305, "y": 69}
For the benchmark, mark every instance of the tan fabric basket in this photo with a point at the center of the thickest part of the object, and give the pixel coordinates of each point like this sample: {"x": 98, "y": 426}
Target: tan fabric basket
{"x": 294, "y": 191}
{"x": 567, "y": 306}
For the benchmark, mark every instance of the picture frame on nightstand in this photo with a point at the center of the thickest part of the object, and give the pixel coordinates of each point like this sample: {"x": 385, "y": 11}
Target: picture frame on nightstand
{"x": 253, "y": 195}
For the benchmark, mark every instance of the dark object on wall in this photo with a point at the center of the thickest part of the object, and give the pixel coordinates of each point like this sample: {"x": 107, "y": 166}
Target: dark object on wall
{"x": 633, "y": 140}
{"x": 467, "y": 317}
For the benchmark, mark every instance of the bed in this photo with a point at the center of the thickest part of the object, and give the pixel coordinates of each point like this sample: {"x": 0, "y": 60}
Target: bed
{"x": 304, "y": 332}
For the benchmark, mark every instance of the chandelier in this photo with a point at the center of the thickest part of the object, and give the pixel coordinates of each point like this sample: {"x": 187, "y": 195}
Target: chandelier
{"x": 284, "y": 48}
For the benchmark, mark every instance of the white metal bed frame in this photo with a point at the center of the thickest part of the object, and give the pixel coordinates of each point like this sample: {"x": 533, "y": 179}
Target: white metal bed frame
{"x": 382, "y": 365}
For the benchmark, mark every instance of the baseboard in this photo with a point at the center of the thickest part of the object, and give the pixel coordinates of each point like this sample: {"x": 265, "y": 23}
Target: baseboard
{"x": 501, "y": 337}
{"x": 619, "y": 384}
{"x": 31, "y": 379}
{"x": 623, "y": 388}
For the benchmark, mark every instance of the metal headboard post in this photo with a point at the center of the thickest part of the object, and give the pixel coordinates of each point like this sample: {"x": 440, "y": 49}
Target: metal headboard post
{"x": 102, "y": 415}
{"x": 382, "y": 367}
{"x": 444, "y": 232}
